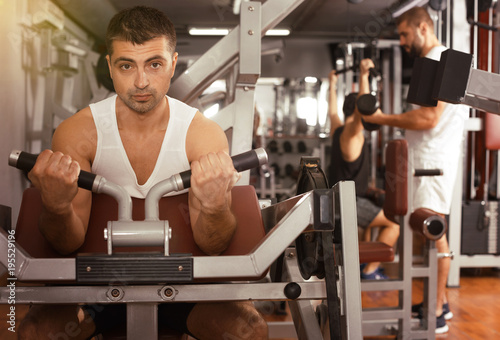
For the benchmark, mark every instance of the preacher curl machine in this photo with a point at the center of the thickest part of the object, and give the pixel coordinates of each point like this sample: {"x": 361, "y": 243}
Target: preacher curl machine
{"x": 113, "y": 267}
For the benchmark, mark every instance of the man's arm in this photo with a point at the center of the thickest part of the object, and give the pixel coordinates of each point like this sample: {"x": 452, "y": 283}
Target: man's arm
{"x": 66, "y": 208}
{"x": 333, "y": 115}
{"x": 423, "y": 118}
{"x": 352, "y": 138}
{"x": 212, "y": 178}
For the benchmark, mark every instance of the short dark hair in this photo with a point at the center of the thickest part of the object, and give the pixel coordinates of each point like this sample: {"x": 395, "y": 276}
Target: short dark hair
{"x": 138, "y": 25}
{"x": 414, "y": 17}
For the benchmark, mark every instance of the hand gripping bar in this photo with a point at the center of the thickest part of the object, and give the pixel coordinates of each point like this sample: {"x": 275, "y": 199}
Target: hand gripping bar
{"x": 244, "y": 161}
{"x": 26, "y": 161}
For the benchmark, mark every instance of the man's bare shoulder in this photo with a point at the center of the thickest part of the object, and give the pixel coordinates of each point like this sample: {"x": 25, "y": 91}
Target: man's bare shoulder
{"x": 202, "y": 122}
{"x": 77, "y": 136}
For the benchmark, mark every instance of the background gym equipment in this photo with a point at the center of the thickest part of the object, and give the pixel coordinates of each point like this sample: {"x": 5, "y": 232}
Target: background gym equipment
{"x": 398, "y": 201}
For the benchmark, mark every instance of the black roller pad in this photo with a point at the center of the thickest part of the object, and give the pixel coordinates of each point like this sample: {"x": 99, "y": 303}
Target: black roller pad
{"x": 422, "y": 82}
{"x": 452, "y": 76}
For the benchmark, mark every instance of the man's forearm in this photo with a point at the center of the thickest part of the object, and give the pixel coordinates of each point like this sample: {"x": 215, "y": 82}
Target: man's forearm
{"x": 335, "y": 121}
{"x": 364, "y": 84}
{"x": 214, "y": 231}
{"x": 64, "y": 232}
{"x": 411, "y": 120}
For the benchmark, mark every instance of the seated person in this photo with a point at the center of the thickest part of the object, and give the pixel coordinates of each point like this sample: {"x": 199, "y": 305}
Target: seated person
{"x": 350, "y": 161}
{"x": 138, "y": 138}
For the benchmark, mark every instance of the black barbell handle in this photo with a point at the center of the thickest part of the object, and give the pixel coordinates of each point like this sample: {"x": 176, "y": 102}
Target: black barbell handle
{"x": 244, "y": 161}
{"x": 427, "y": 172}
{"x": 373, "y": 72}
{"x": 26, "y": 161}
{"x": 344, "y": 70}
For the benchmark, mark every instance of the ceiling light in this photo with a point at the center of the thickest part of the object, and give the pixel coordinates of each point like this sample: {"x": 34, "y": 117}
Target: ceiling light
{"x": 407, "y": 6}
{"x": 213, "y": 31}
{"x": 208, "y": 31}
{"x": 278, "y": 32}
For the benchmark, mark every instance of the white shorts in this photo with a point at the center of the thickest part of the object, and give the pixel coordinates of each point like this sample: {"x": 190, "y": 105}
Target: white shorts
{"x": 434, "y": 192}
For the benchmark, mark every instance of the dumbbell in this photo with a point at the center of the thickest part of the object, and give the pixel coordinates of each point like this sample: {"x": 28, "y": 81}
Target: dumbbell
{"x": 368, "y": 103}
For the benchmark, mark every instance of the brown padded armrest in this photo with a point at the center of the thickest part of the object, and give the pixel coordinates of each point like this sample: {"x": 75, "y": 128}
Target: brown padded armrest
{"x": 491, "y": 127}
{"x": 245, "y": 206}
{"x": 375, "y": 252}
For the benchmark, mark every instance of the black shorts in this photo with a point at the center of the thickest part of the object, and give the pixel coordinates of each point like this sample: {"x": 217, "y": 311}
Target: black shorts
{"x": 111, "y": 316}
{"x": 366, "y": 211}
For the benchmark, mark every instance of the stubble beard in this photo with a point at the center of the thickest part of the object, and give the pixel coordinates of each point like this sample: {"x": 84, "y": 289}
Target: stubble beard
{"x": 417, "y": 47}
{"x": 142, "y": 107}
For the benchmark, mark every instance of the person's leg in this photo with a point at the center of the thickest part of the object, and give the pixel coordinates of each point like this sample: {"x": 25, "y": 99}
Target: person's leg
{"x": 54, "y": 322}
{"x": 388, "y": 234}
{"x": 226, "y": 320}
{"x": 443, "y": 270}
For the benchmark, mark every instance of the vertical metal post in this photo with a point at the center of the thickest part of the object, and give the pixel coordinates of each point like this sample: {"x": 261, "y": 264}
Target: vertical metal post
{"x": 345, "y": 196}
{"x": 455, "y": 223}
{"x": 449, "y": 23}
{"x": 249, "y": 72}
{"x": 302, "y": 311}
{"x": 473, "y": 111}
{"x": 142, "y": 321}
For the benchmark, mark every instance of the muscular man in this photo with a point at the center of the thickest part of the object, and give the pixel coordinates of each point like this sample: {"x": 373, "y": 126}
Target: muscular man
{"x": 350, "y": 161}
{"x": 137, "y": 138}
{"x": 434, "y": 136}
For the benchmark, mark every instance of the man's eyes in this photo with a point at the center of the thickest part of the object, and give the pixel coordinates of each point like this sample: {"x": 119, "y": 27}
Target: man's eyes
{"x": 154, "y": 65}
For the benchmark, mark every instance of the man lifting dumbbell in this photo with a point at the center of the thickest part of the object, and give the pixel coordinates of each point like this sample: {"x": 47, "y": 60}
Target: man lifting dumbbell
{"x": 350, "y": 161}
{"x": 434, "y": 136}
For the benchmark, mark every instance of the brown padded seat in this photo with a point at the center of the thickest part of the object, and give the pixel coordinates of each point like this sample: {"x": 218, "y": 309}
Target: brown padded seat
{"x": 245, "y": 206}
{"x": 375, "y": 252}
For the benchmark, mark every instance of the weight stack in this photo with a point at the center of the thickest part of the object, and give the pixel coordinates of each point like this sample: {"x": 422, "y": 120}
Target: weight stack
{"x": 480, "y": 231}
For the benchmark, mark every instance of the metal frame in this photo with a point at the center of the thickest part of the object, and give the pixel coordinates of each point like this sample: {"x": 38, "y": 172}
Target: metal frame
{"x": 294, "y": 218}
{"x": 387, "y": 321}
{"x": 239, "y": 53}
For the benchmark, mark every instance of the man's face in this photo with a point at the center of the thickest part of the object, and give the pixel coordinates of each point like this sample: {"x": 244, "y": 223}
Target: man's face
{"x": 141, "y": 73}
{"x": 411, "y": 39}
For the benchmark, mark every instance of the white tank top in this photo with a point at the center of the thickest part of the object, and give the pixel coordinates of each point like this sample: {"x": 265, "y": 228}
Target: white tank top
{"x": 444, "y": 141}
{"x": 111, "y": 161}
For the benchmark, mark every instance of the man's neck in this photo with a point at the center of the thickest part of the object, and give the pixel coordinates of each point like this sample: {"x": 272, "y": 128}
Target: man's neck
{"x": 433, "y": 42}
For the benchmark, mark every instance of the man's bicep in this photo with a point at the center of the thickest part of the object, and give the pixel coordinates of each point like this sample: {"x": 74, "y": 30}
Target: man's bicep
{"x": 71, "y": 139}
{"x": 205, "y": 136}
{"x": 77, "y": 137}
